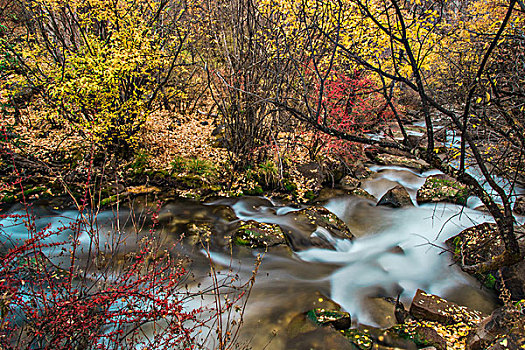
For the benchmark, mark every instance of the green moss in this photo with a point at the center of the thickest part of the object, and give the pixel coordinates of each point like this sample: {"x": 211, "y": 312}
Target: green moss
{"x": 34, "y": 190}
{"x": 9, "y": 198}
{"x": 310, "y": 195}
{"x": 405, "y": 333}
{"x": 253, "y": 191}
{"x": 289, "y": 186}
{"x": 241, "y": 241}
{"x": 489, "y": 281}
{"x": 457, "y": 246}
{"x": 109, "y": 200}
{"x": 448, "y": 188}
{"x": 361, "y": 339}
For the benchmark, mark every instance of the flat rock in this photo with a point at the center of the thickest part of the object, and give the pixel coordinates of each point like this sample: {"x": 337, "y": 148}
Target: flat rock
{"x": 329, "y": 193}
{"x": 433, "y": 308}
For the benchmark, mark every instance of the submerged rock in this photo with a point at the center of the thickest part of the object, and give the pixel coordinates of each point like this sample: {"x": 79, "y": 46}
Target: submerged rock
{"x": 396, "y": 197}
{"x": 320, "y": 338}
{"x": 442, "y": 188}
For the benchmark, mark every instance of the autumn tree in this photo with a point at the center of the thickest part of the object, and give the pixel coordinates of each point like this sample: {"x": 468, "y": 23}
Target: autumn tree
{"x": 439, "y": 50}
{"x": 242, "y": 74}
{"x": 99, "y": 66}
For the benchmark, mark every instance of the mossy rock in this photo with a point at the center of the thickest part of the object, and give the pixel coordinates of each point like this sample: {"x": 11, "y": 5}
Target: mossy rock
{"x": 441, "y": 188}
{"x": 340, "y": 320}
{"x": 422, "y": 335}
{"x": 258, "y": 235}
{"x": 360, "y": 338}
{"x": 329, "y": 193}
{"x": 482, "y": 243}
{"x": 322, "y": 217}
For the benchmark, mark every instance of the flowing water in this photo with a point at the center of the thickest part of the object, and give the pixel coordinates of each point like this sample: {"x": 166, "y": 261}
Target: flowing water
{"x": 396, "y": 251}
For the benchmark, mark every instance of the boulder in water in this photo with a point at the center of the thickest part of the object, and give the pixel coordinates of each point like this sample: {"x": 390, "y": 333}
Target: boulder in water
{"x": 433, "y": 308}
{"x": 442, "y": 188}
{"x": 257, "y": 234}
{"x": 396, "y": 197}
{"x": 315, "y": 226}
{"x": 338, "y": 319}
{"x": 482, "y": 243}
{"x": 389, "y": 159}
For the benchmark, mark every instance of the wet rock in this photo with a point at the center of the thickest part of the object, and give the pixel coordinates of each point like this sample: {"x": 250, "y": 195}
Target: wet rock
{"x": 337, "y": 319}
{"x": 376, "y": 338}
{"x": 329, "y": 193}
{"x": 315, "y": 226}
{"x": 359, "y": 192}
{"x": 482, "y": 243}
{"x": 433, "y": 308}
{"x": 301, "y": 323}
{"x": 504, "y": 323}
{"x": 258, "y": 235}
{"x": 421, "y": 334}
{"x": 389, "y": 159}
{"x": 396, "y": 197}
{"x": 519, "y": 205}
{"x": 359, "y": 338}
{"x": 442, "y": 188}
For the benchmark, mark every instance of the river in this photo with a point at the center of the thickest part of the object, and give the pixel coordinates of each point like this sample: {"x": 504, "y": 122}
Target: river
{"x": 395, "y": 252}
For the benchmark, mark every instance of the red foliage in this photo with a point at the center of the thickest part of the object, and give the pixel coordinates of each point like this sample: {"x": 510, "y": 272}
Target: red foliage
{"x": 54, "y": 296}
{"x": 350, "y": 103}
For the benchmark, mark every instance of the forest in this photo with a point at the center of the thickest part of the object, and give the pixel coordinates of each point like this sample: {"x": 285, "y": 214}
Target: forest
{"x": 159, "y": 157}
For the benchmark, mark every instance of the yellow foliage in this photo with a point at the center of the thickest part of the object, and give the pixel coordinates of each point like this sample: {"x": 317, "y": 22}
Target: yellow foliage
{"x": 103, "y": 64}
